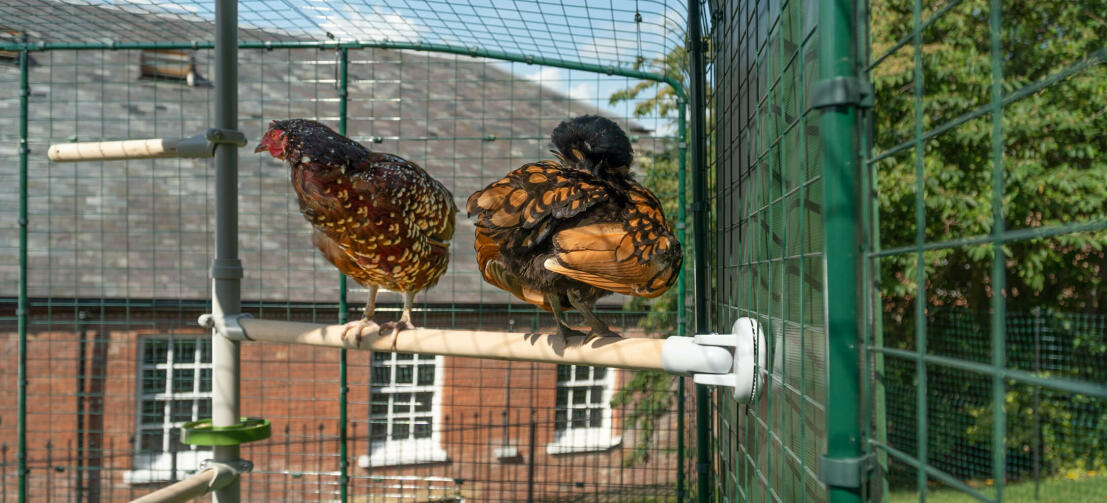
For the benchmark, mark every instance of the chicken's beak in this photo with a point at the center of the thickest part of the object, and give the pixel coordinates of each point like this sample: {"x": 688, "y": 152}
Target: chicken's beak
{"x": 261, "y": 147}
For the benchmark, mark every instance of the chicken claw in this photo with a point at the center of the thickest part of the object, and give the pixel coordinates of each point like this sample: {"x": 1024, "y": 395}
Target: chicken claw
{"x": 396, "y": 327}
{"x": 353, "y": 331}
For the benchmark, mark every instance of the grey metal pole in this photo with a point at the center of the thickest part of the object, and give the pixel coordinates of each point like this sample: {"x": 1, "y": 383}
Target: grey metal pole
{"x": 226, "y": 269}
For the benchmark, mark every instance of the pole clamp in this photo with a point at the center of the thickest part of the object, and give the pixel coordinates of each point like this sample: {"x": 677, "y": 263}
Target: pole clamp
{"x": 226, "y": 325}
{"x": 849, "y": 473}
{"x": 842, "y": 91}
{"x": 203, "y": 145}
{"x": 226, "y": 268}
{"x": 225, "y": 471}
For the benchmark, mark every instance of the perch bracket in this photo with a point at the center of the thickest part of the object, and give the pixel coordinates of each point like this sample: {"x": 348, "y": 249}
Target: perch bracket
{"x": 203, "y": 145}
{"x": 225, "y": 472}
{"x": 248, "y": 429}
{"x": 846, "y": 472}
{"x": 227, "y": 325}
{"x": 735, "y": 360}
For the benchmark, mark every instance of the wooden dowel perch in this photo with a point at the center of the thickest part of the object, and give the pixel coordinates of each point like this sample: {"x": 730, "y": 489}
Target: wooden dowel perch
{"x": 618, "y": 352}
{"x": 154, "y": 148}
{"x": 193, "y": 487}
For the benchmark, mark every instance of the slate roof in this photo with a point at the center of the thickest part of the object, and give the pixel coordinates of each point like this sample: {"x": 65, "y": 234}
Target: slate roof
{"x": 142, "y": 229}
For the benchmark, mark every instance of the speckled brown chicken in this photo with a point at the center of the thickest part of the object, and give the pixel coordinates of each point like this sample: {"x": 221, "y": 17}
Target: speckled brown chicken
{"x": 565, "y": 233}
{"x": 379, "y": 218}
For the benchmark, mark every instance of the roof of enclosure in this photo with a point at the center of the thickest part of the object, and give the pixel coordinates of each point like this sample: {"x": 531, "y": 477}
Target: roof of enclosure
{"x": 614, "y": 34}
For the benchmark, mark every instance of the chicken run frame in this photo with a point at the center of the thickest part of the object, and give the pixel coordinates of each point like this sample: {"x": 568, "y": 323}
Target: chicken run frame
{"x": 864, "y": 177}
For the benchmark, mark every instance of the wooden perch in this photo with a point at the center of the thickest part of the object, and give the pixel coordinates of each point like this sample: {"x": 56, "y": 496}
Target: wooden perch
{"x": 155, "y": 148}
{"x": 617, "y": 352}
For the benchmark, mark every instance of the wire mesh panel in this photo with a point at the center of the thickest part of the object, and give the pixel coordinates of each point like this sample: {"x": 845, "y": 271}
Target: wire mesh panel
{"x": 767, "y": 258}
{"x": 986, "y": 372}
{"x": 120, "y": 250}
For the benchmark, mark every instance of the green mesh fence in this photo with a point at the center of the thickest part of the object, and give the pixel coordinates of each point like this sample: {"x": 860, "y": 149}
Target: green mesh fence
{"x": 118, "y": 252}
{"x": 767, "y": 260}
{"x": 985, "y": 356}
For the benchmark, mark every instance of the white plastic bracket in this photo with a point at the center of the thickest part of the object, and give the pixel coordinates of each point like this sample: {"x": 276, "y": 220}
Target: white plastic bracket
{"x": 225, "y": 473}
{"x": 734, "y": 360}
{"x": 227, "y": 326}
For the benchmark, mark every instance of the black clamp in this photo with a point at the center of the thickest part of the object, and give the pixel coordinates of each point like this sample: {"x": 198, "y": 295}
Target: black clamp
{"x": 846, "y": 472}
{"x": 231, "y": 136}
{"x": 842, "y": 91}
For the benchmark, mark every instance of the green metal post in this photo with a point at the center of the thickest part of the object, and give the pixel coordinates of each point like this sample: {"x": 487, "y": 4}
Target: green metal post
{"x": 343, "y": 390}
{"x": 21, "y": 308}
{"x": 699, "y": 221}
{"x": 999, "y": 268}
{"x": 226, "y": 269}
{"x": 842, "y": 225}
{"x": 682, "y": 329}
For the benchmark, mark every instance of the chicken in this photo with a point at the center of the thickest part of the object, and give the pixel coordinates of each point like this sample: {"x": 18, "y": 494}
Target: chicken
{"x": 561, "y": 234}
{"x": 379, "y": 218}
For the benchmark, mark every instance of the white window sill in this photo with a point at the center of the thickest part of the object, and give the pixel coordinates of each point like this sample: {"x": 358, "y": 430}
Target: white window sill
{"x": 576, "y": 444}
{"x": 403, "y": 453}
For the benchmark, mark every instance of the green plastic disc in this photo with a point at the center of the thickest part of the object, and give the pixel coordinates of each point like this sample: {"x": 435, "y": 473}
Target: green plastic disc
{"x": 201, "y": 432}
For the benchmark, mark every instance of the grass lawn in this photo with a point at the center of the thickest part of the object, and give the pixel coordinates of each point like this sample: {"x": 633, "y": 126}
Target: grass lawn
{"x": 1083, "y": 490}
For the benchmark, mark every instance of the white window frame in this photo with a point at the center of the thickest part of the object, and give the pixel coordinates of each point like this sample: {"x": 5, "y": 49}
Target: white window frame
{"x": 151, "y": 467}
{"x": 590, "y": 438}
{"x": 410, "y": 451}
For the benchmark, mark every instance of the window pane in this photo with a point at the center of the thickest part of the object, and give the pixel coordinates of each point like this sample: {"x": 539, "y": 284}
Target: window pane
{"x": 422, "y": 427}
{"x": 582, "y": 373}
{"x": 180, "y": 411}
{"x": 400, "y": 430}
{"x": 155, "y": 351}
{"x": 426, "y": 375}
{"x": 596, "y": 418}
{"x": 597, "y": 394}
{"x": 562, "y": 397}
{"x": 205, "y": 409}
{"x": 153, "y": 381}
{"x": 175, "y": 444}
{"x": 150, "y": 441}
{"x": 401, "y": 403}
{"x": 580, "y": 395}
{"x": 378, "y": 430}
{"x": 378, "y": 403}
{"x": 405, "y": 374}
{"x": 381, "y": 357}
{"x": 562, "y": 372}
{"x": 182, "y": 380}
{"x": 580, "y": 418}
{"x": 152, "y": 412}
{"x": 382, "y": 376}
{"x": 205, "y": 380}
{"x": 184, "y": 350}
{"x": 599, "y": 373}
{"x": 423, "y": 402}
{"x": 405, "y": 356}
{"x": 205, "y": 350}
{"x": 561, "y": 420}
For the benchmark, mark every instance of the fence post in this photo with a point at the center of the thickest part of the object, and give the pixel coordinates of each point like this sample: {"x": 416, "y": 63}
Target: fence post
{"x": 343, "y": 389}
{"x": 699, "y": 222}
{"x": 21, "y": 307}
{"x": 842, "y": 225}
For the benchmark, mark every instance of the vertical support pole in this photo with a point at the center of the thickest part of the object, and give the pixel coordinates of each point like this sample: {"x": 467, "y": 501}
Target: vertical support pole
{"x": 682, "y": 328}
{"x": 842, "y": 227}
{"x": 999, "y": 259}
{"x": 343, "y": 389}
{"x": 226, "y": 269}
{"x": 699, "y": 221}
{"x": 21, "y": 308}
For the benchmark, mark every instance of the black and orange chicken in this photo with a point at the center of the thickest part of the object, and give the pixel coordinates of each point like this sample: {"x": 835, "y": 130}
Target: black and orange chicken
{"x": 561, "y": 234}
{"x": 378, "y": 218}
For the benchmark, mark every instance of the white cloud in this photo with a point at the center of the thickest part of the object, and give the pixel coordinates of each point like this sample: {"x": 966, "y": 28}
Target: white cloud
{"x": 549, "y": 76}
{"x": 353, "y": 24}
{"x": 583, "y": 91}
